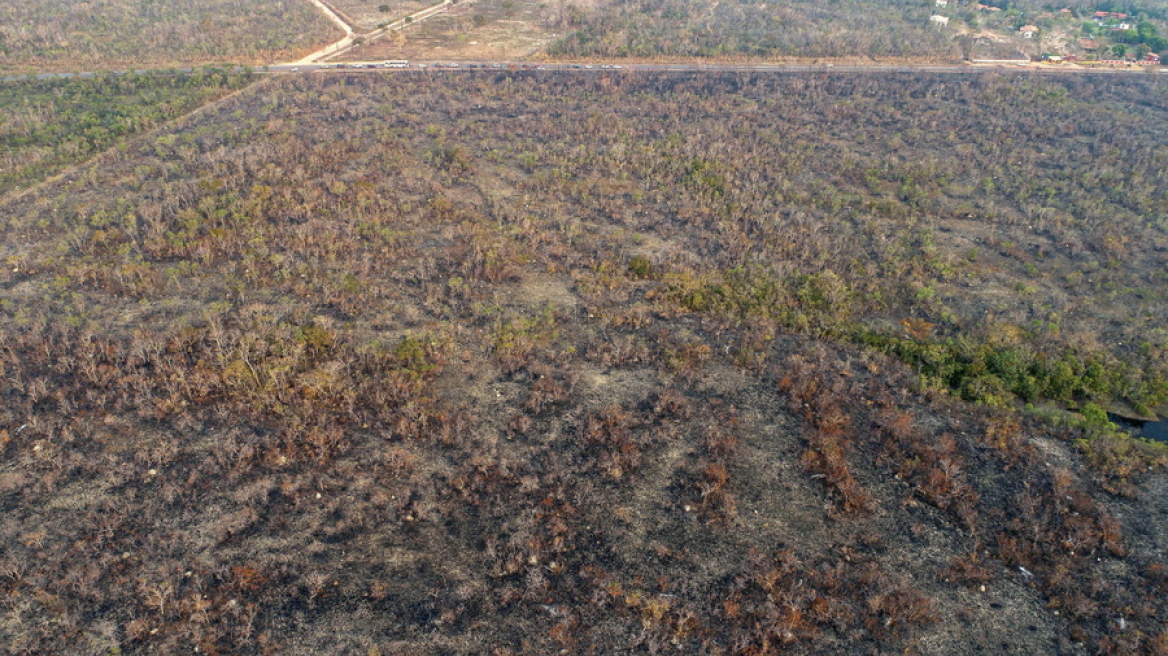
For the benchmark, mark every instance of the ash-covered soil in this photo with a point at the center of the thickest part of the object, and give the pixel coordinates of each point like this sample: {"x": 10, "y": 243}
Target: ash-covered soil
{"x": 529, "y": 363}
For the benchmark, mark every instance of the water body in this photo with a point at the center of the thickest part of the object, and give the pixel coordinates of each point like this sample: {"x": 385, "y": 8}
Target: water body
{"x": 1153, "y": 430}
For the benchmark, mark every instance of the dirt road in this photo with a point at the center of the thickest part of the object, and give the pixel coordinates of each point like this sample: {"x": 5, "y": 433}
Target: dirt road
{"x": 352, "y": 37}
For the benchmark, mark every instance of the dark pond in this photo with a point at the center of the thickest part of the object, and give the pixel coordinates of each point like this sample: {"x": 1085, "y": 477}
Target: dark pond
{"x": 1153, "y": 430}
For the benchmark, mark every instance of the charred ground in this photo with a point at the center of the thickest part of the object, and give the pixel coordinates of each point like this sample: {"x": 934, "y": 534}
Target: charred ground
{"x": 525, "y": 362}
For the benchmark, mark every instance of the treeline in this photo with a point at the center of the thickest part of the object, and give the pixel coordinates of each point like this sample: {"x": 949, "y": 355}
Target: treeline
{"x": 1145, "y": 33}
{"x": 698, "y": 28}
{"x": 44, "y": 35}
{"x": 46, "y": 125}
{"x": 1085, "y": 8}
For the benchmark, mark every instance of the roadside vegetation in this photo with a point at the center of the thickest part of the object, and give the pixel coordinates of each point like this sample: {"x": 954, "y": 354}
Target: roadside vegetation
{"x": 526, "y": 361}
{"x": 48, "y": 35}
{"x": 48, "y": 125}
{"x": 860, "y": 30}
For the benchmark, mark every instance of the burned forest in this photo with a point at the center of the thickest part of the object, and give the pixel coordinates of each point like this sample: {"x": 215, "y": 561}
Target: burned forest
{"x": 526, "y": 362}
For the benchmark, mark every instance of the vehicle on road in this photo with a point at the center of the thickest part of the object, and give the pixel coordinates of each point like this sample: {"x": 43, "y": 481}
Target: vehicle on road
{"x": 395, "y": 63}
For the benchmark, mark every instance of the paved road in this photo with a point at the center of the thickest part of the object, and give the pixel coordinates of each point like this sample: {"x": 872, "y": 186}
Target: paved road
{"x": 440, "y": 67}
{"x": 317, "y": 61}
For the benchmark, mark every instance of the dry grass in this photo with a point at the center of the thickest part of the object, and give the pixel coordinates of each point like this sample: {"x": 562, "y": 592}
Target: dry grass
{"x": 482, "y": 30}
{"x": 45, "y": 35}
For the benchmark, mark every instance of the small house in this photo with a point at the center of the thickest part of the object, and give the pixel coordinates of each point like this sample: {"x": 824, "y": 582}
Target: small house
{"x": 1089, "y": 45}
{"x": 1028, "y": 31}
{"x": 941, "y": 3}
{"x": 939, "y": 20}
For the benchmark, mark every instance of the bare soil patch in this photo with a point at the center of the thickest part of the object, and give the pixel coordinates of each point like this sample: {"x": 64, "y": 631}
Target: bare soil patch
{"x": 367, "y": 14}
{"x": 485, "y": 29}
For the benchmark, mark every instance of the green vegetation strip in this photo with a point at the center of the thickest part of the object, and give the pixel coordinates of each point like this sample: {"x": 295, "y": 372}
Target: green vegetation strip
{"x": 976, "y": 370}
{"x": 47, "y": 125}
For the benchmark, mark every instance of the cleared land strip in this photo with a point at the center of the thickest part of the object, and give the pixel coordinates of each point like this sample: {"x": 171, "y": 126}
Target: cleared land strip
{"x": 335, "y": 17}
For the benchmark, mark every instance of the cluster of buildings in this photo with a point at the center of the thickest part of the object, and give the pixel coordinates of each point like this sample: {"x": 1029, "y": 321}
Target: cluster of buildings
{"x": 1109, "y": 20}
{"x": 1112, "y": 20}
